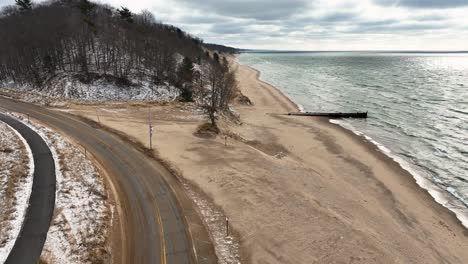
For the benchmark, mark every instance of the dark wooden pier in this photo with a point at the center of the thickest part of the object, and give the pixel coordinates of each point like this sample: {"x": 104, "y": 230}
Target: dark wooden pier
{"x": 331, "y": 115}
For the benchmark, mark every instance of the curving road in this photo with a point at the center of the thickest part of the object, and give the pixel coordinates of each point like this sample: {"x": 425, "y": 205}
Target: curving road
{"x": 28, "y": 246}
{"x": 158, "y": 223}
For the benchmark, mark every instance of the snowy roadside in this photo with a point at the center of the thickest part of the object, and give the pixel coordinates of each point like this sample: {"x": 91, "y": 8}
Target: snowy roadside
{"x": 83, "y": 214}
{"x": 226, "y": 246}
{"x": 64, "y": 88}
{"x": 16, "y": 178}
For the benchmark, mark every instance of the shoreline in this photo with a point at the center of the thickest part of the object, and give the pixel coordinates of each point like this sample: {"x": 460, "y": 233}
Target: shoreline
{"x": 436, "y": 193}
{"x": 365, "y": 141}
{"x": 295, "y": 189}
{"x": 299, "y": 107}
{"x": 353, "y": 182}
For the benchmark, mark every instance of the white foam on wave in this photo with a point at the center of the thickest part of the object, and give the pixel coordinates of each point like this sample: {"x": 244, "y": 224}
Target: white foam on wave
{"x": 445, "y": 197}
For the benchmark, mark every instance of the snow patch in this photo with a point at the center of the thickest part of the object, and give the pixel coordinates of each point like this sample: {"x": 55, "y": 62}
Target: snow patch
{"x": 67, "y": 87}
{"x": 22, "y": 189}
{"x": 82, "y": 215}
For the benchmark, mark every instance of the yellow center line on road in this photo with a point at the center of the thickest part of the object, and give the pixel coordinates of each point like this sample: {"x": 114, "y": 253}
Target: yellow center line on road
{"x": 158, "y": 213}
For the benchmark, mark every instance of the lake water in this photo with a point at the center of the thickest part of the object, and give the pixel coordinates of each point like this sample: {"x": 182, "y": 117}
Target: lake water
{"x": 417, "y": 103}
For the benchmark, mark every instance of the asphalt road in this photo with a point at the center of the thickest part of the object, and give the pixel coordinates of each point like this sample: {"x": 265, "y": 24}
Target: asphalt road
{"x": 28, "y": 246}
{"x": 155, "y": 212}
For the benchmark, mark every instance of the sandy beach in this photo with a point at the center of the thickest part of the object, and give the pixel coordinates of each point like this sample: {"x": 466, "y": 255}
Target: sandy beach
{"x": 297, "y": 189}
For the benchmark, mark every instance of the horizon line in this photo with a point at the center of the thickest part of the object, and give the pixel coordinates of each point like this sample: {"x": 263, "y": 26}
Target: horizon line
{"x": 400, "y": 51}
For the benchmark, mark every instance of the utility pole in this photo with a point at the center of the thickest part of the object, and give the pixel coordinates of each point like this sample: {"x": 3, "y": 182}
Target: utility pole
{"x": 97, "y": 113}
{"x": 150, "y": 129}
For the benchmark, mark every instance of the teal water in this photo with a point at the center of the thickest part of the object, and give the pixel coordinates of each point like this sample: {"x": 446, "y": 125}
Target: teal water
{"x": 417, "y": 103}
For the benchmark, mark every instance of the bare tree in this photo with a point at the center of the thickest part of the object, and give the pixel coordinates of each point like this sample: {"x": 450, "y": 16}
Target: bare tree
{"x": 223, "y": 84}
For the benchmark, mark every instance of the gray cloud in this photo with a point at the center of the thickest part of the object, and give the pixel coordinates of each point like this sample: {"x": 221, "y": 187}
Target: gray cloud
{"x": 6, "y": 2}
{"x": 378, "y": 23}
{"x": 229, "y": 28}
{"x": 315, "y": 27}
{"x": 326, "y": 20}
{"x": 433, "y": 17}
{"x": 394, "y": 26}
{"x": 308, "y": 23}
{"x": 260, "y": 9}
{"x": 199, "y": 19}
{"x": 337, "y": 17}
{"x": 424, "y": 3}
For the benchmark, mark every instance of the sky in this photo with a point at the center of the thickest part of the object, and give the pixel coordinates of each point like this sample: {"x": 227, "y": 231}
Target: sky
{"x": 316, "y": 24}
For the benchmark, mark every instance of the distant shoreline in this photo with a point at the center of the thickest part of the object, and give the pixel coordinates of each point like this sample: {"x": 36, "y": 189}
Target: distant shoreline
{"x": 356, "y": 51}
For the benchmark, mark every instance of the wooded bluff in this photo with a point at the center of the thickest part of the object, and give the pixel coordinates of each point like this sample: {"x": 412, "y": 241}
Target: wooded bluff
{"x": 86, "y": 41}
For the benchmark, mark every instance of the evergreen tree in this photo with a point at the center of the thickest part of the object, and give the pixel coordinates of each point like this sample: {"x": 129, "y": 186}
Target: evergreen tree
{"x": 86, "y": 7}
{"x": 24, "y": 5}
{"x": 186, "y": 94}
{"x": 180, "y": 33}
{"x": 125, "y": 14}
{"x": 186, "y": 76}
{"x": 186, "y": 70}
{"x": 216, "y": 57}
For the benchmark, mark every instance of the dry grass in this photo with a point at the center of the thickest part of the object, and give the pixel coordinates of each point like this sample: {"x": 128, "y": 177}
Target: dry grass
{"x": 207, "y": 130}
{"x": 14, "y": 170}
{"x": 82, "y": 217}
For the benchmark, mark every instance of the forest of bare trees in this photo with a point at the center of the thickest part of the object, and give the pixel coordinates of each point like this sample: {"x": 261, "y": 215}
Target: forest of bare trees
{"x": 82, "y": 37}
{"x": 87, "y": 40}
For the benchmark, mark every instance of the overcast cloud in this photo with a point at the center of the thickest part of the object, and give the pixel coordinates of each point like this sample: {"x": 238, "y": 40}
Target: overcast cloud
{"x": 425, "y": 3}
{"x": 316, "y": 24}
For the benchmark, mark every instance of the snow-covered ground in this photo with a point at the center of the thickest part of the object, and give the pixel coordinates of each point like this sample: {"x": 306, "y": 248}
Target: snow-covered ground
{"x": 16, "y": 178}
{"x": 66, "y": 87}
{"x": 83, "y": 214}
{"x": 102, "y": 90}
